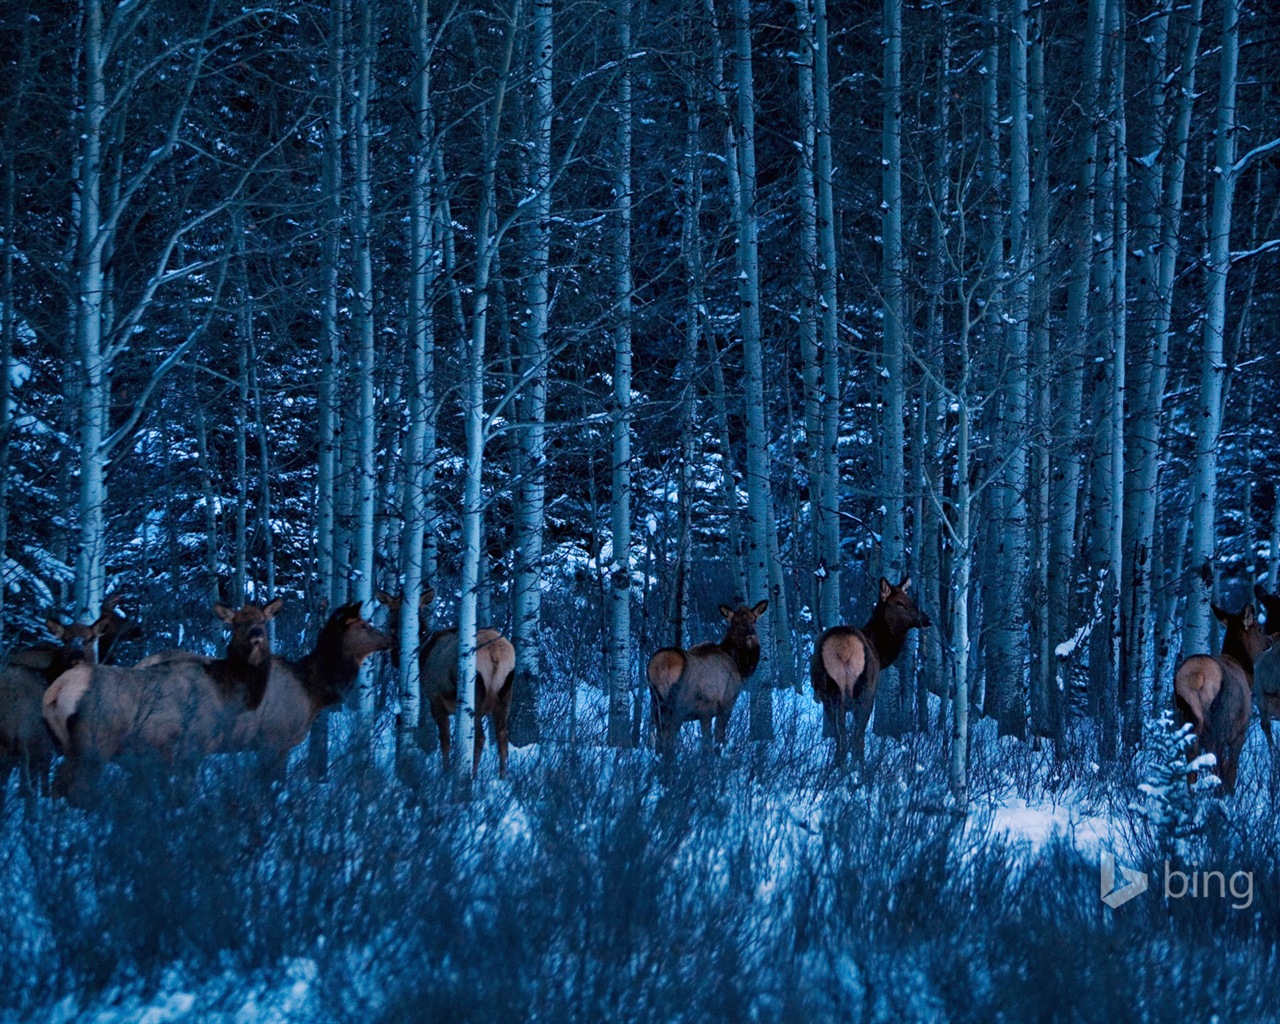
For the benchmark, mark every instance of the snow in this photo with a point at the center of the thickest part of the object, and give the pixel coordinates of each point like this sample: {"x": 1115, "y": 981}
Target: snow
{"x": 226, "y": 999}
{"x": 1035, "y": 824}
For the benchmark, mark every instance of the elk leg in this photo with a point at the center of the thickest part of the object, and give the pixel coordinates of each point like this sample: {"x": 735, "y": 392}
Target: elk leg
{"x": 861, "y": 715}
{"x": 479, "y": 745}
{"x": 500, "y": 714}
{"x": 833, "y": 726}
{"x": 441, "y": 717}
{"x": 1265, "y": 716}
{"x": 722, "y": 727}
{"x": 705, "y": 725}
{"x": 667, "y": 732}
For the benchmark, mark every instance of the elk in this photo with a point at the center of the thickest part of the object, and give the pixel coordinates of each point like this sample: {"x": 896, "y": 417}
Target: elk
{"x": 438, "y": 672}
{"x": 297, "y": 691}
{"x": 702, "y": 683}
{"x": 846, "y": 664}
{"x": 78, "y": 642}
{"x": 177, "y": 704}
{"x": 1214, "y": 692}
{"x": 25, "y": 744}
{"x": 1266, "y": 668}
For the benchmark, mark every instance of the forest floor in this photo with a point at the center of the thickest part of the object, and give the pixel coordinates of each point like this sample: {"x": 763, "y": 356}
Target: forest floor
{"x": 755, "y": 884}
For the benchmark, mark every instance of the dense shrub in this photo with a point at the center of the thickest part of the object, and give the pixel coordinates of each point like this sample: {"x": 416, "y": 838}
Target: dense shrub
{"x": 754, "y": 885}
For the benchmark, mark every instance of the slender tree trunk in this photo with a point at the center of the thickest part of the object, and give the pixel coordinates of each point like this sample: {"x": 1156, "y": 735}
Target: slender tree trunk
{"x": 1044, "y": 709}
{"x": 419, "y": 443}
{"x": 90, "y": 570}
{"x": 775, "y": 641}
{"x": 931, "y": 557}
{"x": 1204, "y": 482}
{"x": 1113, "y": 228}
{"x": 620, "y": 661}
{"x": 533, "y": 360}
{"x": 364, "y": 363}
{"x": 487, "y": 239}
{"x": 1162, "y": 181}
{"x": 327, "y": 441}
{"x": 828, "y": 340}
{"x": 892, "y": 717}
{"x": 1009, "y": 635}
{"x": 820, "y": 503}
{"x": 961, "y": 581}
{"x": 244, "y": 324}
{"x": 993, "y": 658}
{"x": 8, "y": 337}
{"x": 265, "y": 473}
{"x": 1069, "y": 402}
{"x": 691, "y": 255}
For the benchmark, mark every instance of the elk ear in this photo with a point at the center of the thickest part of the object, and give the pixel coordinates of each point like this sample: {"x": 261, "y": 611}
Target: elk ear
{"x": 101, "y": 626}
{"x": 109, "y": 605}
{"x": 273, "y": 609}
{"x": 905, "y": 584}
{"x": 1250, "y": 619}
{"x": 386, "y": 599}
{"x": 761, "y": 608}
{"x": 1219, "y": 614}
{"x": 885, "y": 588}
{"x": 224, "y": 613}
{"x": 726, "y": 611}
{"x": 56, "y": 628}
{"x": 428, "y": 595}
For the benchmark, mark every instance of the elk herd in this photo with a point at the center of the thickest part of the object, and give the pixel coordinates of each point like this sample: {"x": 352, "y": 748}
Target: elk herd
{"x": 67, "y": 698}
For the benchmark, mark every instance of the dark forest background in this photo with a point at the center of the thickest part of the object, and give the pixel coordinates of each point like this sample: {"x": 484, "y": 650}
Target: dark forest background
{"x": 593, "y": 316}
{"x": 708, "y": 303}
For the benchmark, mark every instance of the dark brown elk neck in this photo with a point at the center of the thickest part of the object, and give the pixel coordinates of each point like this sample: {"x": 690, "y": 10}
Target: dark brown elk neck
{"x": 885, "y": 637}
{"x": 1234, "y": 647}
{"x": 239, "y": 680}
{"x": 326, "y": 678}
{"x": 743, "y": 648}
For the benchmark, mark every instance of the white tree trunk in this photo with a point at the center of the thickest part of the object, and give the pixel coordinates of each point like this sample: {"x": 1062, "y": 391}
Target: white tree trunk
{"x": 1075, "y": 329}
{"x": 820, "y": 502}
{"x": 1044, "y": 710}
{"x": 487, "y": 239}
{"x": 1204, "y": 481}
{"x": 90, "y": 288}
{"x": 327, "y": 439}
{"x": 759, "y": 513}
{"x": 1163, "y": 183}
{"x": 892, "y": 716}
{"x": 828, "y": 340}
{"x": 363, "y": 365}
{"x": 1009, "y": 633}
{"x": 621, "y": 680}
{"x": 419, "y": 444}
{"x": 533, "y": 359}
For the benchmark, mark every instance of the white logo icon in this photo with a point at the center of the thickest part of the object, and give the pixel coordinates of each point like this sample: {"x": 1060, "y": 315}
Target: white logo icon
{"x": 1135, "y": 883}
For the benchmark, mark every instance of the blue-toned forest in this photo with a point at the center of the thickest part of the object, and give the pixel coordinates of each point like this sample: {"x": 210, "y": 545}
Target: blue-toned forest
{"x": 569, "y": 511}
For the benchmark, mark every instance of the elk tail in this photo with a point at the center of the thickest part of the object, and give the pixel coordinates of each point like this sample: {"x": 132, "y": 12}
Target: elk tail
{"x": 62, "y": 699}
{"x": 665, "y": 667}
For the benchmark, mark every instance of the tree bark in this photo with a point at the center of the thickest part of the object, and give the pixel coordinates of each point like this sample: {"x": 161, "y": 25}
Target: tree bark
{"x": 621, "y": 681}
{"x": 1204, "y": 481}
{"x": 534, "y": 355}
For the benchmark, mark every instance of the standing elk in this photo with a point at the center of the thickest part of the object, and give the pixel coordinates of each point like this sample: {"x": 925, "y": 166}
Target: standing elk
{"x": 297, "y": 691}
{"x": 1266, "y": 667}
{"x": 846, "y": 664}
{"x": 438, "y": 672}
{"x": 703, "y": 682}
{"x": 25, "y": 744}
{"x": 1215, "y": 692}
{"x": 177, "y": 704}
